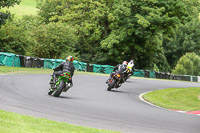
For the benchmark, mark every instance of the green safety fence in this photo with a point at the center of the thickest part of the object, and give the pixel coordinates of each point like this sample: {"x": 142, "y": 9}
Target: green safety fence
{"x": 139, "y": 73}
{"x": 97, "y": 68}
{"x": 9, "y": 59}
{"x": 107, "y": 69}
{"x": 76, "y": 64}
{"x": 152, "y": 74}
{"x": 82, "y": 66}
{"x": 102, "y": 68}
{"x": 52, "y": 63}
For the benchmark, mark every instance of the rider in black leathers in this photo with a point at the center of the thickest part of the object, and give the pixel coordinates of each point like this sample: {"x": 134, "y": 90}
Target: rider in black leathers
{"x": 121, "y": 68}
{"x": 64, "y": 67}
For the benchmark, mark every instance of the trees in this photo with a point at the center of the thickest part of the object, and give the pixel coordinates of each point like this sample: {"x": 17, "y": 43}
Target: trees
{"x": 6, "y": 15}
{"x": 13, "y": 38}
{"x": 121, "y": 29}
{"x": 138, "y": 29}
{"x": 53, "y": 40}
{"x": 186, "y": 39}
{"x": 9, "y": 34}
{"x": 189, "y": 64}
{"x": 155, "y": 33}
{"x": 50, "y": 10}
{"x": 14, "y": 34}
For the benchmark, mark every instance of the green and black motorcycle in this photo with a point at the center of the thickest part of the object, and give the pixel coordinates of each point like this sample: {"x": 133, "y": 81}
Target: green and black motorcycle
{"x": 61, "y": 84}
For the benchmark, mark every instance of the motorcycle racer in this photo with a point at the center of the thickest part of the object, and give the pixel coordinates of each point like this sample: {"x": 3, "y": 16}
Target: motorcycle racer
{"x": 131, "y": 67}
{"x": 64, "y": 67}
{"x": 121, "y": 68}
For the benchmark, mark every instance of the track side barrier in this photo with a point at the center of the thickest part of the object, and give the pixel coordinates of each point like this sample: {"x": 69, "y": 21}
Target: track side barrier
{"x": 10, "y": 59}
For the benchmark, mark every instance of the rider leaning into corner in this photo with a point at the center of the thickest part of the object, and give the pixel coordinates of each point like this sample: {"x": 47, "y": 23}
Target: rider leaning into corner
{"x": 131, "y": 67}
{"x": 64, "y": 67}
{"x": 120, "y": 68}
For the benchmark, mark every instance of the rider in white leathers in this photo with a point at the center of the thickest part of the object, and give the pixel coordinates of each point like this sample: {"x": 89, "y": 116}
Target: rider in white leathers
{"x": 131, "y": 67}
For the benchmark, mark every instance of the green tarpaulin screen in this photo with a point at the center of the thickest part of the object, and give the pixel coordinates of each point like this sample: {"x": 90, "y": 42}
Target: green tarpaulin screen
{"x": 9, "y": 59}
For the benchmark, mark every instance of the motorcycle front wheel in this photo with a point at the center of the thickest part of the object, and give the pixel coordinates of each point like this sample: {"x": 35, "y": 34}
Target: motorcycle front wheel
{"x": 59, "y": 89}
{"x": 111, "y": 85}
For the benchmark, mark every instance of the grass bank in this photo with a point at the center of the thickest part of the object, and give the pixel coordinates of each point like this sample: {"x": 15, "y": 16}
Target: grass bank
{"x": 15, "y": 123}
{"x": 24, "y": 70}
{"x": 26, "y": 7}
{"x": 185, "y": 99}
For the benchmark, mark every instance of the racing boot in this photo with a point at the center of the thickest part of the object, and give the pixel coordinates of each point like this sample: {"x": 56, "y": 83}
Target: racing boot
{"x": 51, "y": 81}
{"x": 70, "y": 85}
{"x": 108, "y": 80}
{"x": 117, "y": 86}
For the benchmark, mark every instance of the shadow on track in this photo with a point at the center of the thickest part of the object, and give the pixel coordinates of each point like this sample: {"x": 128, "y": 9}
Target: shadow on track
{"x": 130, "y": 81}
{"x": 118, "y": 91}
{"x": 64, "y": 97}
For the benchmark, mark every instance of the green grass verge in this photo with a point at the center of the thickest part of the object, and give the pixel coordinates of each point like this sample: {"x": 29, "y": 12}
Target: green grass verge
{"x": 26, "y": 7}
{"x": 21, "y": 70}
{"x": 186, "y": 99}
{"x": 24, "y": 70}
{"x": 16, "y": 123}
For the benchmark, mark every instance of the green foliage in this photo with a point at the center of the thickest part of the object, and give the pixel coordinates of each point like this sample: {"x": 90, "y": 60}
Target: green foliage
{"x": 14, "y": 34}
{"x": 8, "y": 3}
{"x": 187, "y": 39}
{"x": 50, "y": 10}
{"x": 28, "y": 22}
{"x": 89, "y": 20}
{"x": 189, "y": 64}
{"x": 12, "y": 38}
{"x": 5, "y": 15}
{"x": 193, "y": 7}
{"x": 53, "y": 40}
{"x": 155, "y": 68}
{"x": 121, "y": 30}
{"x": 139, "y": 27}
{"x": 152, "y": 32}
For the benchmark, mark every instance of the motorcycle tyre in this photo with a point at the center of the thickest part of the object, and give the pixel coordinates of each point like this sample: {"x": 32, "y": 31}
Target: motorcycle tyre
{"x": 60, "y": 88}
{"x": 111, "y": 85}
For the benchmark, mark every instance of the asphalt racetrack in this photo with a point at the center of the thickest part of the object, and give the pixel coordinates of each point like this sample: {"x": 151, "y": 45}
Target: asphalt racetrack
{"x": 88, "y": 103}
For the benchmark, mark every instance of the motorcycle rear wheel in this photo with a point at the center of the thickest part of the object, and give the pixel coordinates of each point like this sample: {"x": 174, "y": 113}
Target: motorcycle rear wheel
{"x": 111, "y": 85}
{"x": 59, "y": 89}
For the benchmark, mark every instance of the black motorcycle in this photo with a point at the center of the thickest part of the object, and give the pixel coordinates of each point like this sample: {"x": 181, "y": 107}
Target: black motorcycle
{"x": 116, "y": 80}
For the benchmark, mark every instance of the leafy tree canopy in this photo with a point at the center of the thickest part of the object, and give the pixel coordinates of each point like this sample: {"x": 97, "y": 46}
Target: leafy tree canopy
{"x": 53, "y": 40}
{"x": 12, "y": 38}
{"x": 6, "y": 3}
{"x": 121, "y": 29}
{"x": 186, "y": 39}
{"x": 189, "y": 64}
